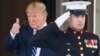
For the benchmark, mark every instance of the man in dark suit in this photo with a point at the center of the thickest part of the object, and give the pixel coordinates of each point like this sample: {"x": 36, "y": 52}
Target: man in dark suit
{"x": 75, "y": 41}
{"x": 18, "y": 37}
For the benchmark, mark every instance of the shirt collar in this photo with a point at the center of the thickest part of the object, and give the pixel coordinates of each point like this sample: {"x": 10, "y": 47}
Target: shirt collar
{"x": 45, "y": 24}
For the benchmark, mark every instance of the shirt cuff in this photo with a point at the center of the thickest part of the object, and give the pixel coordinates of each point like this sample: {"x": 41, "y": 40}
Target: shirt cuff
{"x": 12, "y": 35}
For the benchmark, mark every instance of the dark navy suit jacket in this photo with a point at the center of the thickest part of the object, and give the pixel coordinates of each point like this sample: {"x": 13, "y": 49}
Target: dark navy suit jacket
{"x": 21, "y": 43}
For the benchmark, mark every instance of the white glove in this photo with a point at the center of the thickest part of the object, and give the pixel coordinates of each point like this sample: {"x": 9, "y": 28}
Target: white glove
{"x": 61, "y": 19}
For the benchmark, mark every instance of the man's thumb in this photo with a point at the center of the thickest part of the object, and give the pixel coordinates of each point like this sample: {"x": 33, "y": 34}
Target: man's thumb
{"x": 17, "y": 20}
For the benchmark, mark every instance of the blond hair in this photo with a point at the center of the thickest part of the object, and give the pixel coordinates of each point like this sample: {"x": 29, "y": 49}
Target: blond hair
{"x": 38, "y": 6}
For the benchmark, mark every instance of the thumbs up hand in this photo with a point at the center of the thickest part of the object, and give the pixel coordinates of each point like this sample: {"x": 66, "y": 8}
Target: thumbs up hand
{"x": 16, "y": 26}
{"x": 17, "y": 20}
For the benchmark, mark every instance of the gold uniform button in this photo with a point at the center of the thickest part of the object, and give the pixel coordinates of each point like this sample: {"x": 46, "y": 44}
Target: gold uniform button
{"x": 65, "y": 32}
{"x": 68, "y": 43}
{"x": 79, "y": 37}
{"x": 80, "y": 43}
{"x": 93, "y": 51}
{"x": 81, "y": 54}
{"x": 68, "y": 49}
{"x": 81, "y": 48}
{"x": 68, "y": 55}
{"x": 81, "y": 32}
{"x": 74, "y": 32}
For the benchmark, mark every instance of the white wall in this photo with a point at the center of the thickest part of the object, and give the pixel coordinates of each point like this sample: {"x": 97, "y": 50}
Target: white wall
{"x": 97, "y": 22}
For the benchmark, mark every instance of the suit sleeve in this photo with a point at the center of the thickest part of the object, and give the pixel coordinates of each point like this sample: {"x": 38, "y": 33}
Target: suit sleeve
{"x": 41, "y": 38}
{"x": 10, "y": 44}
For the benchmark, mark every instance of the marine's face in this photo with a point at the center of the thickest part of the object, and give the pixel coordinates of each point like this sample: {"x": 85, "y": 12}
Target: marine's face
{"x": 77, "y": 22}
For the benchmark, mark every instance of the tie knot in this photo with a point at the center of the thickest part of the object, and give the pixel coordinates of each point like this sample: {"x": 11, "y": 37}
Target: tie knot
{"x": 34, "y": 32}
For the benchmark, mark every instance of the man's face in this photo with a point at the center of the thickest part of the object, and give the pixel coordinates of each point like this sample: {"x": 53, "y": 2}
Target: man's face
{"x": 36, "y": 19}
{"x": 77, "y": 22}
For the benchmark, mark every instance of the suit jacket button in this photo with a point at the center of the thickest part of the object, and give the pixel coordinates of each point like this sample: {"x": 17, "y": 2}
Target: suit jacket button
{"x": 68, "y": 49}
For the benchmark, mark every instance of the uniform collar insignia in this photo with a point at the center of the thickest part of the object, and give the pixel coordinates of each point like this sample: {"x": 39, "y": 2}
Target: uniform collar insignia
{"x": 74, "y": 32}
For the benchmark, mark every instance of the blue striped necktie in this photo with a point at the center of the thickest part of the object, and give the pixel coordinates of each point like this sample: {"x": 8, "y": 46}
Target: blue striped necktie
{"x": 34, "y": 49}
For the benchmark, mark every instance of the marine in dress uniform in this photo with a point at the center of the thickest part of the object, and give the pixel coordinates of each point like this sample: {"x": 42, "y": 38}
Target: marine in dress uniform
{"x": 70, "y": 42}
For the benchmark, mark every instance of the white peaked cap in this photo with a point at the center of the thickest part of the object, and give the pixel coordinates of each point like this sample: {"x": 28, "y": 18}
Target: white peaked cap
{"x": 75, "y": 5}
